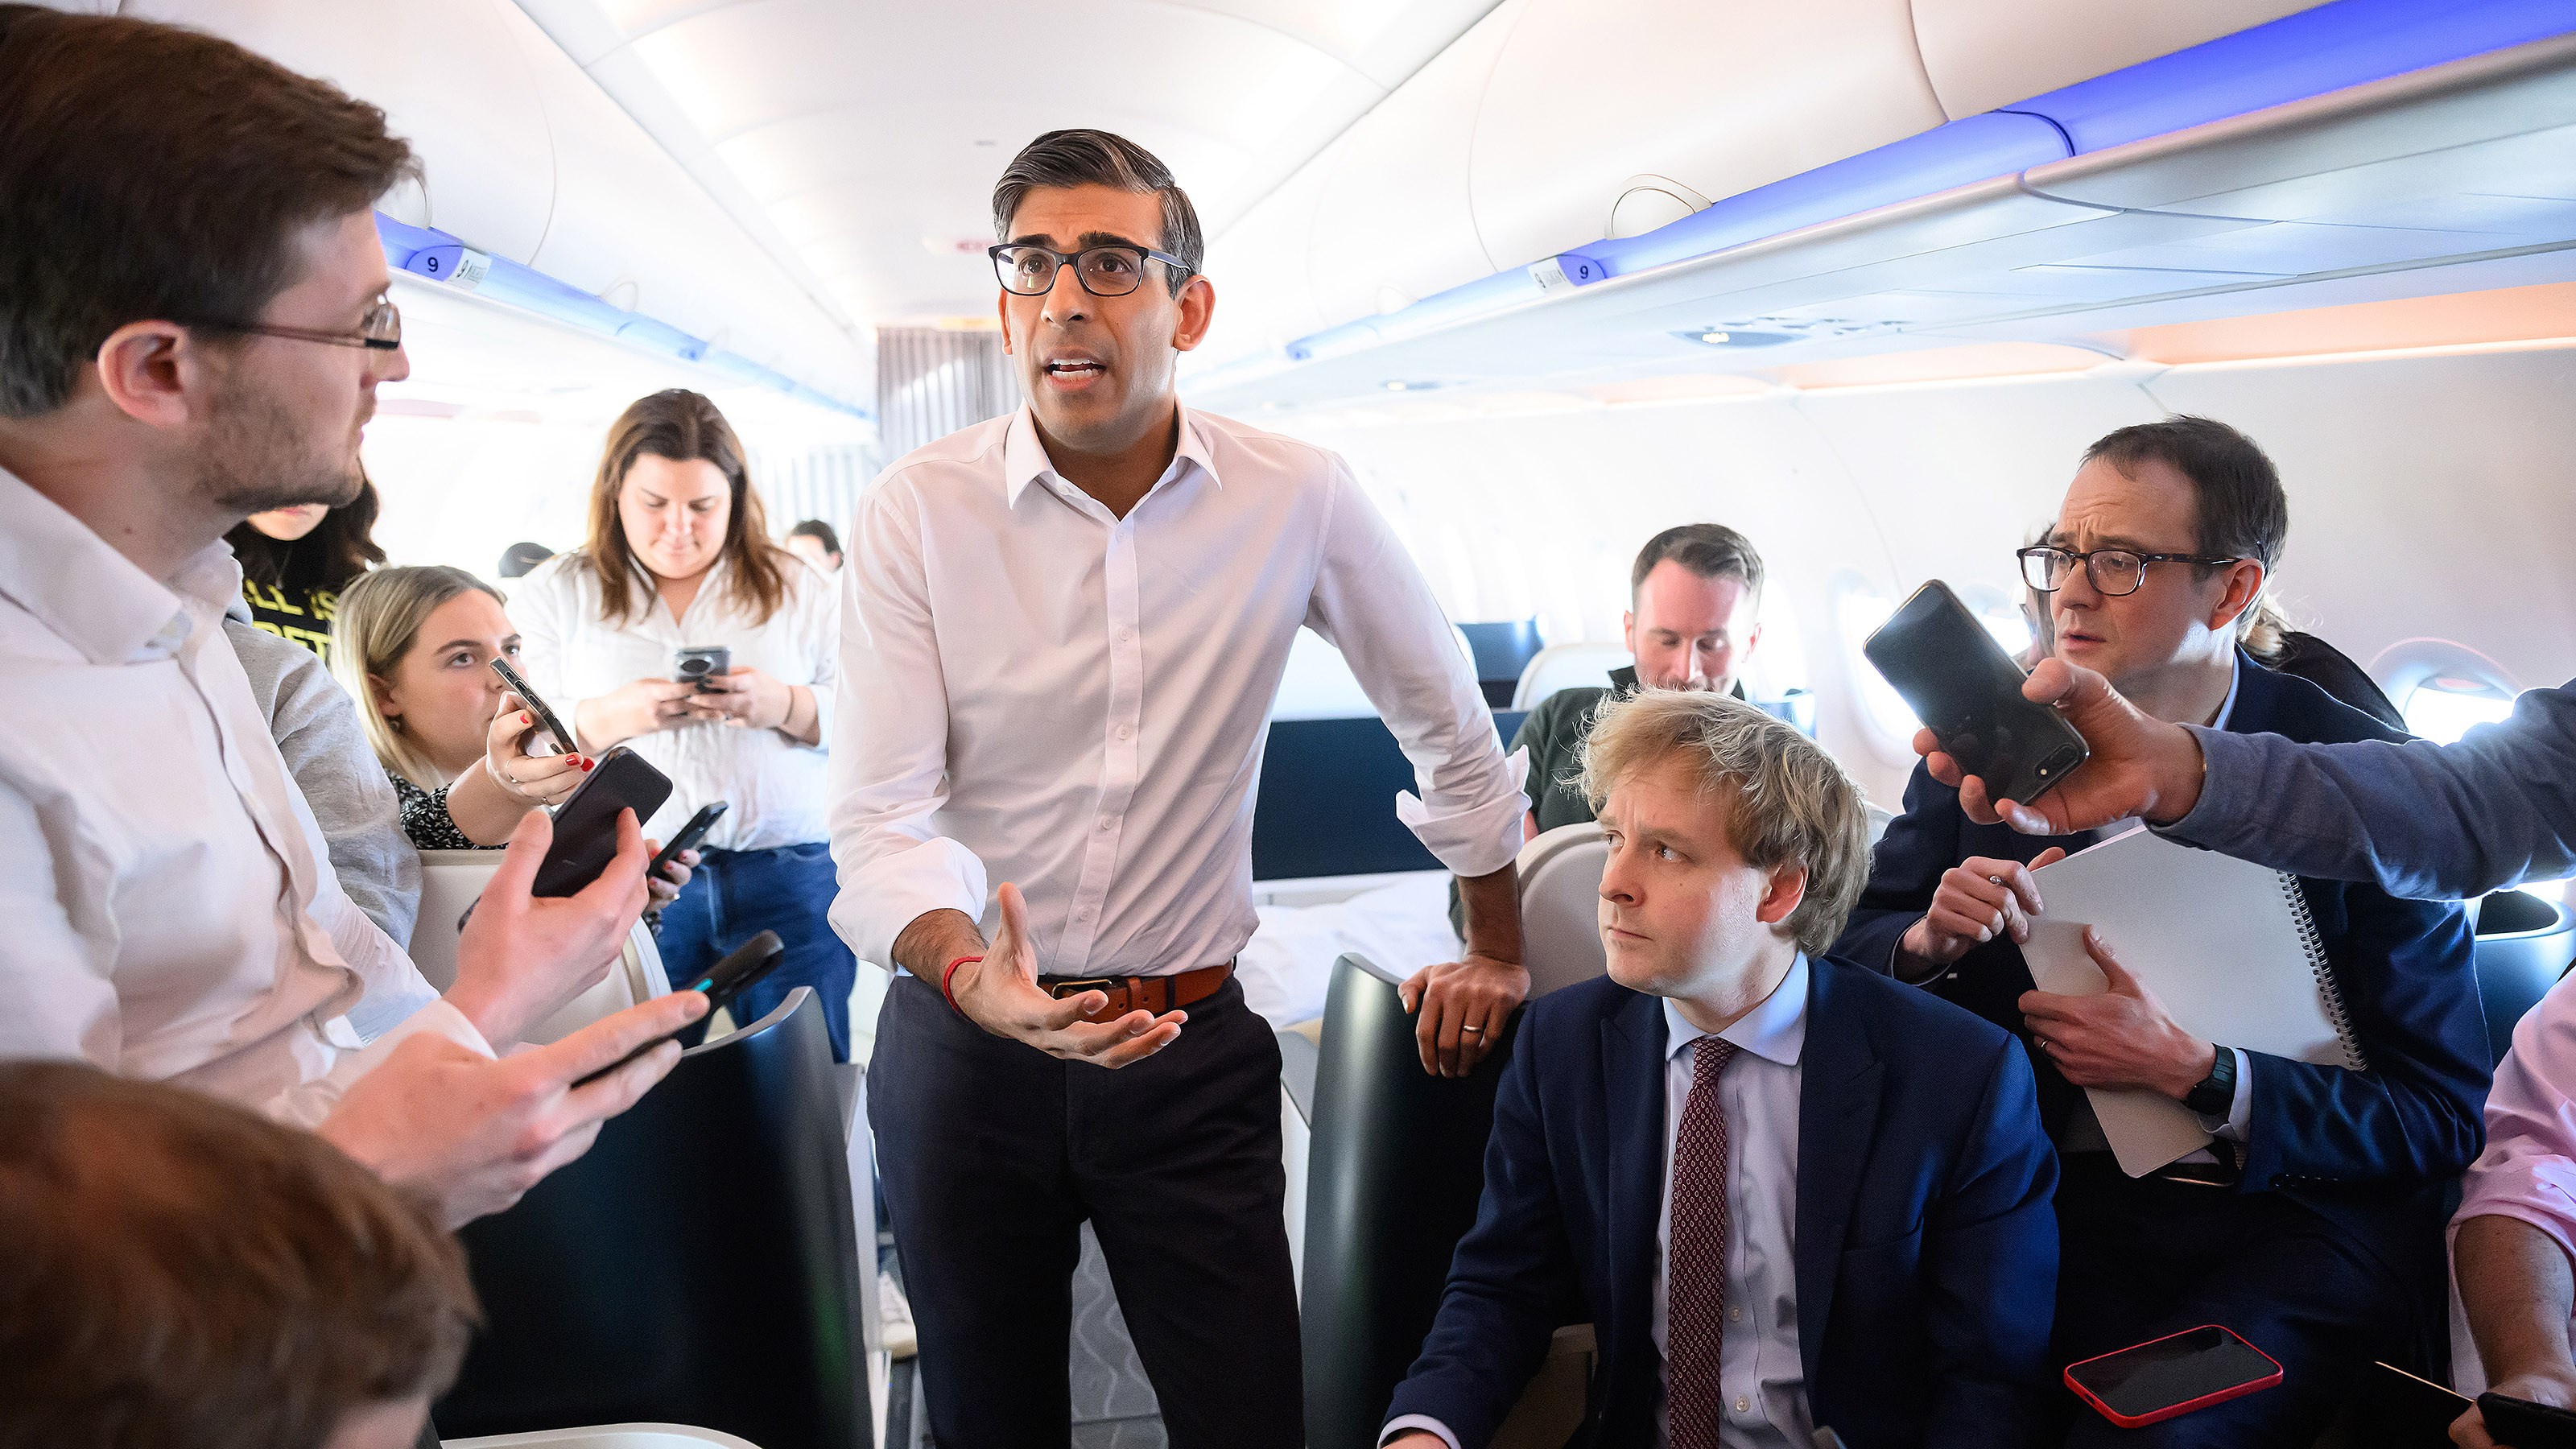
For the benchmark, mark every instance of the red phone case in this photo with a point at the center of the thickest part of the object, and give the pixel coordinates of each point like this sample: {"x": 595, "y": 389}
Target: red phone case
{"x": 2233, "y": 1391}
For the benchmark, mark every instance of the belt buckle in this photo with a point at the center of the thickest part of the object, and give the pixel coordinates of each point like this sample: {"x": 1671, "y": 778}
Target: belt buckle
{"x": 1065, "y": 986}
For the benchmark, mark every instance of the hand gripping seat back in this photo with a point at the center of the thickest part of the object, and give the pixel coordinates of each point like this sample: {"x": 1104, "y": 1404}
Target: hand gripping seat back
{"x": 699, "y": 1265}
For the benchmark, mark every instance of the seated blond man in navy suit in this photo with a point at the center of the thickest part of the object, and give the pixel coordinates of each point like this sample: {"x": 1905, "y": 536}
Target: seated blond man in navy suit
{"x": 1786, "y": 1191}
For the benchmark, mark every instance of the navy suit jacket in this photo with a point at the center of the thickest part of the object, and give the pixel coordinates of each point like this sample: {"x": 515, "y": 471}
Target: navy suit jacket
{"x": 1926, "y": 1246}
{"x": 2376, "y": 1151}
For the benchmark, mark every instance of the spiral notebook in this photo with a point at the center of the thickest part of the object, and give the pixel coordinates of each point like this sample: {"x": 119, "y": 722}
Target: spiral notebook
{"x": 2229, "y": 948}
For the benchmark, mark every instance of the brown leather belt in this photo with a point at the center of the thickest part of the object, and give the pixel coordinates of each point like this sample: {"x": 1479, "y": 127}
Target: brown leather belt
{"x": 1157, "y": 994}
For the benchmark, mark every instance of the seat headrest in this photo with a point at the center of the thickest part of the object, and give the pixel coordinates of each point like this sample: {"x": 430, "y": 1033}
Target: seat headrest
{"x": 1560, "y": 876}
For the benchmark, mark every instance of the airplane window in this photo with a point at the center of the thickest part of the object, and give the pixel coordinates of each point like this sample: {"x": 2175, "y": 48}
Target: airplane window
{"x": 1863, "y": 610}
{"x": 2443, "y": 709}
{"x": 2444, "y": 689}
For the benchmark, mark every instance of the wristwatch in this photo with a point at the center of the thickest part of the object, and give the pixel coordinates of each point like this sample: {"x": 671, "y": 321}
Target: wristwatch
{"x": 2216, "y": 1093}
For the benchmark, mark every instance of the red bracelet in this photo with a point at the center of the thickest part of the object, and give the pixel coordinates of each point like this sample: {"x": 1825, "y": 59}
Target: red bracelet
{"x": 950, "y": 975}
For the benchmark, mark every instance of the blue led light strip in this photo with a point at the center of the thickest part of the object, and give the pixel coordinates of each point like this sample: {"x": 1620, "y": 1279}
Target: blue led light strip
{"x": 2333, "y": 46}
{"x": 436, "y": 256}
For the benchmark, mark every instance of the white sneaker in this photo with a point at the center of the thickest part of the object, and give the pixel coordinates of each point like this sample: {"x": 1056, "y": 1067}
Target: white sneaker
{"x": 894, "y": 1315}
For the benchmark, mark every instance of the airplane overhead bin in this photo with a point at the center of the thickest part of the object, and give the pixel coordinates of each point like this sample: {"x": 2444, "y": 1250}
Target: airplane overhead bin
{"x": 527, "y": 161}
{"x": 1810, "y": 146}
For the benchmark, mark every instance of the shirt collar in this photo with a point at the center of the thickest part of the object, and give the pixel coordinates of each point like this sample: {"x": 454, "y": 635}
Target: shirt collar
{"x": 93, "y": 597}
{"x": 2235, "y": 676}
{"x": 1025, "y": 460}
{"x": 1774, "y": 1031}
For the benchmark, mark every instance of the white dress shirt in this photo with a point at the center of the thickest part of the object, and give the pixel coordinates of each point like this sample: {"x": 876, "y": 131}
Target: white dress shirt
{"x": 170, "y": 913}
{"x": 1764, "y": 1379}
{"x": 571, "y": 654}
{"x": 1047, "y": 694}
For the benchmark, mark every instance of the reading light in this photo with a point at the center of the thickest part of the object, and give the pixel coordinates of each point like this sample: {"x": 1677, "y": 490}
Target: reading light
{"x": 1715, "y": 339}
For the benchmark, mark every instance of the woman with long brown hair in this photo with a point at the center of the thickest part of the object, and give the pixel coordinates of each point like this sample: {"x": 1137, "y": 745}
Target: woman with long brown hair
{"x": 679, "y": 562}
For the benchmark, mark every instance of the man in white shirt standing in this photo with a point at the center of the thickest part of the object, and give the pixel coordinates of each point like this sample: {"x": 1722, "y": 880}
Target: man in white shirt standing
{"x": 1063, "y": 632}
{"x": 193, "y": 323}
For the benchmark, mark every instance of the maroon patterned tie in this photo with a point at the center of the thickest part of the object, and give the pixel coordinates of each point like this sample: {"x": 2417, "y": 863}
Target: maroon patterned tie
{"x": 1695, "y": 1273}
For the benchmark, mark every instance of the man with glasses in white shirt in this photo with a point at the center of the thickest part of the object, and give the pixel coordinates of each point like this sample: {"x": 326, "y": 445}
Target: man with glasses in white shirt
{"x": 193, "y": 324}
{"x": 1063, "y": 632}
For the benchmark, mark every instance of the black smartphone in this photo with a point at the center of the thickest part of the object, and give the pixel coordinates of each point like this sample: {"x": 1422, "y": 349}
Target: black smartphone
{"x": 721, "y": 982}
{"x": 2526, "y": 1425}
{"x": 1967, "y": 691}
{"x": 690, "y": 834}
{"x": 698, "y": 663}
{"x": 586, "y": 823}
{"x": 536, "y": 706}
{"x": 2150, "y": 1382}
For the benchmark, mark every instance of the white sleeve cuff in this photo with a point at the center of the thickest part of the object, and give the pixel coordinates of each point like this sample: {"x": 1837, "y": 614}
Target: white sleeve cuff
{"x": 305, "y": 1106}
{"x": 1411, "y": 1422}
{"x": 1478, "y": 839}
{"x": 878, "y": 899}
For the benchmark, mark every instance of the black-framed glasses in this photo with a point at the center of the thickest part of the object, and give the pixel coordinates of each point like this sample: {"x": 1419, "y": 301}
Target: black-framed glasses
{"x": 2114, "y": 571}
{"x": 1112, "y": 269}
{"x": 379, "y": 331}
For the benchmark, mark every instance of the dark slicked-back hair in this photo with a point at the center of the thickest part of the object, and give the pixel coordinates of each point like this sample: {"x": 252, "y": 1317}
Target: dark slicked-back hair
{"x": 1710, "y": 550}
{"x": 153, "y": 172}
{"x": 184, "y": 1274}
{"x": 1065, "y": 159}
{"x": 2237, "y": 499}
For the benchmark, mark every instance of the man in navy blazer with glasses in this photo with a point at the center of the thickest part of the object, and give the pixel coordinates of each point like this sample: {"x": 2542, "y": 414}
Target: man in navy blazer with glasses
{"x": 1787, "y": 1192}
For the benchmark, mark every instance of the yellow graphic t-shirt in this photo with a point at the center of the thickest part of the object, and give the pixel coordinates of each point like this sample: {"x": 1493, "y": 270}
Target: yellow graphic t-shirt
{"x": 295, "y": 614}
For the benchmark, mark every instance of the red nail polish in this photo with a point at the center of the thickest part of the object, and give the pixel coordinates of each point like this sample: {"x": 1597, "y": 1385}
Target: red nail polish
{"x": 586, "y": 764}
{"x": 524, "y": 718}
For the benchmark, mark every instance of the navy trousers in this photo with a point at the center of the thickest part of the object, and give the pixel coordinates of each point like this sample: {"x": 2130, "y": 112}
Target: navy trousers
{"x": 2142, "y": 1258}
{"x": 735, "y": 895}
{"x": 993, "y": 1154}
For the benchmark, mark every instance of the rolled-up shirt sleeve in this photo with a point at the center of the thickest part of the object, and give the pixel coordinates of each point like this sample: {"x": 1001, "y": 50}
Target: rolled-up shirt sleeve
{"x": 1373, "y": 604}
{"x": 2528, "y": 1170}
{"x": 889, "y": 755}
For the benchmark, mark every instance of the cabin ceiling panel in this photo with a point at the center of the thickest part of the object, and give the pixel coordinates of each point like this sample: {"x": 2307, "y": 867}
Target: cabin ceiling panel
{"x": 855, "y": 129}
{"x": 1981, "y": 54}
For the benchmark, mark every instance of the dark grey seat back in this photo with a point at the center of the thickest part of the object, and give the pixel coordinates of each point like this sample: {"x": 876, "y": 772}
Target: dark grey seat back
{"x": 2524, "y": 945}
{"x": 699, "y": 1265}
{"x": 1397, "y": 1167}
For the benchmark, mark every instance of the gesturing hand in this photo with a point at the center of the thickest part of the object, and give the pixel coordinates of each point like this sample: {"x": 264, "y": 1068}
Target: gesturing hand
{"x": 1000, "y": 993}
{"x": 475, "y": 1133}
{"x": 2120, "y": 1038}
{"x": 1980, "y": 899}
{"x": 522, "y": 957}
{"x": 2140, "y": 765}
{"x": 1461, "y": 1009}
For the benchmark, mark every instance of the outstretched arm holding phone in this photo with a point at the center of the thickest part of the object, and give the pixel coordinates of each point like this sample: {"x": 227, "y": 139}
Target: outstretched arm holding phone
{"x": 2422, "y": 820}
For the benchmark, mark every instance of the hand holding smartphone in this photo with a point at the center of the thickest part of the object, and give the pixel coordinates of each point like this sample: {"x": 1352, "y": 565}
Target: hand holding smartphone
{"x": 722, "y": 983}
{"x": 585, "y": 838}
{"x": 1967, "y": 691}
{"x": 537, "y": 706}
{"x": 688, "y": 838}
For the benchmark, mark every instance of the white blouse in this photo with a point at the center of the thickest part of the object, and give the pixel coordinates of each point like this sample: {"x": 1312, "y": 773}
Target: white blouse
{"x": 775, "y": 786}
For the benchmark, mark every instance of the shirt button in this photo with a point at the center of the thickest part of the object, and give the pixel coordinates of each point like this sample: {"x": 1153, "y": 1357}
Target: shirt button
{"x": 1108, "y": 821}
{"x": 1743, "y": 1406}
{"x": 1084, "y": 913}
{"x": 1124, "y": 732}
{"x": 1735, "y": 1315}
